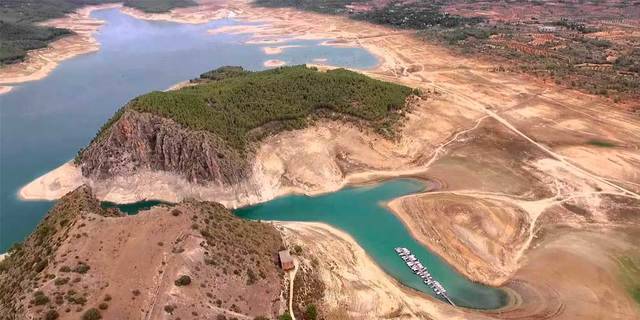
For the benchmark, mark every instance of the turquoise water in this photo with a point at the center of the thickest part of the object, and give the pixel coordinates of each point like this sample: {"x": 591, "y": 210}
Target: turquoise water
{"x": 133, "y": 208}
{"x": 44, "y": 123}
{"x": 360, "y": 212}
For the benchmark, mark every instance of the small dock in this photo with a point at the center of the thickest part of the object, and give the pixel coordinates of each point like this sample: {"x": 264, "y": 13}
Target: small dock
{"x": 421, "y": 271}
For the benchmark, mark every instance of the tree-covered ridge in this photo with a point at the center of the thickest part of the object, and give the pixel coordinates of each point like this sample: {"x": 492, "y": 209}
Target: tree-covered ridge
{"x": 18, "y": 32}
{"x": 244, "y": 107}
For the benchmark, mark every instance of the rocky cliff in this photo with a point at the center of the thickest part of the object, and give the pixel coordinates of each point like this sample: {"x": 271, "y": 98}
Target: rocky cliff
{"x": 142, "y": 141}
{"x": 207, "y": 133}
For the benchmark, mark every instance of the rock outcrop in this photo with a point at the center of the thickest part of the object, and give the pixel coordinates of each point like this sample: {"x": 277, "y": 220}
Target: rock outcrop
{"x": 142, "y": 141}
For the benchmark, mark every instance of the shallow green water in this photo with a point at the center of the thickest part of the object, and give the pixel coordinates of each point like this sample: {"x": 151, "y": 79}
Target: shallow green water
{"x": 133, "y": 208}
{"x": 360, "y": 211}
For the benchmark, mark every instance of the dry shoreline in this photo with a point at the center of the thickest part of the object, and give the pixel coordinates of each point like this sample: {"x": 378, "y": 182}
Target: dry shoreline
{"x": 39, "y": 63}
{"x": 382, "y": 293}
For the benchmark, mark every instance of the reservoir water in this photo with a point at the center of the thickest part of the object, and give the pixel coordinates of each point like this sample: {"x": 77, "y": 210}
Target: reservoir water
{"x": 44, "y": 123}
{"x": 360, "y": 211}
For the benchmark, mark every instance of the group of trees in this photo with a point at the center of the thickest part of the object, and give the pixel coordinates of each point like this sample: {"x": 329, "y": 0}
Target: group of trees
{"x": 418, "y": 16}
{"x": 274, "y": 100}
{"x": 401, "y": 14}
{"x": 19, "y": 32}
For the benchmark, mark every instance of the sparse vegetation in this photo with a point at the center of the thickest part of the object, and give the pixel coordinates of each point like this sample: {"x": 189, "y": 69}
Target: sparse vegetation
{"x": 569, "y": 54}
{"x": 311, "y": 313}
{"x": 285, "y": 316}
{"x": 81, "y": 268}
{"x": 20, "y": 267}
{"x": 630, "y": 271}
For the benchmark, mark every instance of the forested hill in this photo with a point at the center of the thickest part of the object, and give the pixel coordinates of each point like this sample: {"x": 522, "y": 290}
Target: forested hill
{"x": 237, "y": 102}
{"x": 18, "y": 32}
{"x": 208, "y": 131}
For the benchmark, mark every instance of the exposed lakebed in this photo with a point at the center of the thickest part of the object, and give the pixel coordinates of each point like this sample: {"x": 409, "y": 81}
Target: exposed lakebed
{"x": 44, "y": 123}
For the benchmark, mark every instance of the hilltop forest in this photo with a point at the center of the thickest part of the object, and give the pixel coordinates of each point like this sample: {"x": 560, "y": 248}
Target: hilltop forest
{"x": 240, "y": 106}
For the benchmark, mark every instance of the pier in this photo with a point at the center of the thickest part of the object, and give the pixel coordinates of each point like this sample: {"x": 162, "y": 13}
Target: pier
{"x": 421, "y": 271}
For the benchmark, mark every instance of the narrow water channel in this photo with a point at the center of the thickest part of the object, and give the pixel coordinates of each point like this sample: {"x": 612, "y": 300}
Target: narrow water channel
{"x": 362, "y": 213}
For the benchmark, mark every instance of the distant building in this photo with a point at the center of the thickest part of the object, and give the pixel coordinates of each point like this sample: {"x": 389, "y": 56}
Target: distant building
{"x": 547, "y": 29}
{"x": 286, "y": 261}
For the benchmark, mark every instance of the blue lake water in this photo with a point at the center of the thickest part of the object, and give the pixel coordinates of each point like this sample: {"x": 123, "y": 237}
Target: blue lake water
{"x": 44, "y": 123}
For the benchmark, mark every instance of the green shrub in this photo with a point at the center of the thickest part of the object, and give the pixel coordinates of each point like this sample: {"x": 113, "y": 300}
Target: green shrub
{"x": 184, "y": 280}
{"x": 81, "y": 268}
{"x": 92, "y": 314}
{"x": 311, "y": 313}
{"x": 39, "y": 298}
{"x": 51, "y": 315}
{"x": 285, "y": 316}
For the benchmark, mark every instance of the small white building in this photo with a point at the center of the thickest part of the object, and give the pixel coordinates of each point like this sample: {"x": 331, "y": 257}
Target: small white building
{"x": 547, "y": 29}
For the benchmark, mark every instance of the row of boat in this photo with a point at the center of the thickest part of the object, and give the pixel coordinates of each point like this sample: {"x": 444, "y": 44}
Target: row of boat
{"x": 422, "y": 271}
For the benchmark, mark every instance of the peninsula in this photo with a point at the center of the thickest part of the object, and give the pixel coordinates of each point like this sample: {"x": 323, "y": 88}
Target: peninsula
{"x": 525, "y": 146}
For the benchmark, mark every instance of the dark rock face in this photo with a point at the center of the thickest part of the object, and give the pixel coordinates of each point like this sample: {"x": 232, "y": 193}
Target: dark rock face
{"x": 142, "y": 141}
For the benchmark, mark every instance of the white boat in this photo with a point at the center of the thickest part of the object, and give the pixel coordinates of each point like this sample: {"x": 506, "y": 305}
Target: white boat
{"x": 420, "y": 270}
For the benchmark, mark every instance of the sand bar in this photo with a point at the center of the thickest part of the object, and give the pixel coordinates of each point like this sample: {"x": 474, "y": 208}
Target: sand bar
{"x": 54, "y": 184}
{"x": 278, "y": 49}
